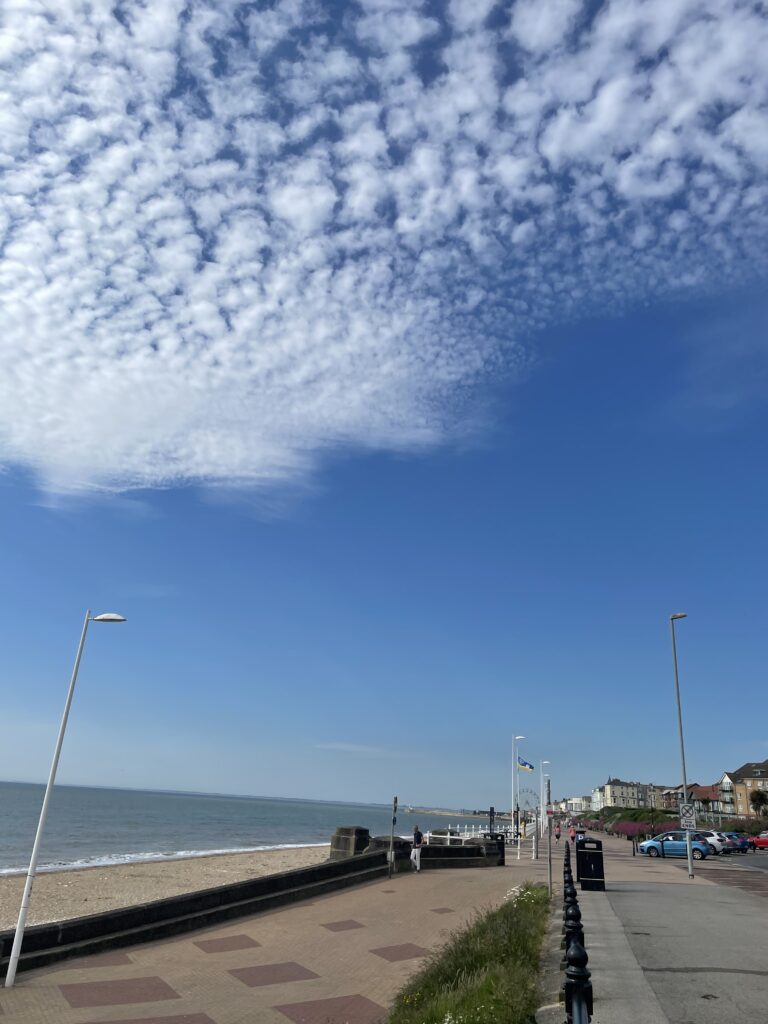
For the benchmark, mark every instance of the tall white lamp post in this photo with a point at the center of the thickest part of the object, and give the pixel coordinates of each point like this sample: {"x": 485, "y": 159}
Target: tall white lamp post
{"x": 542, "y": 809}
{"x": 516, "y": 789}
{"x": 21, "y": 923}
{"x": 672, "y": 620}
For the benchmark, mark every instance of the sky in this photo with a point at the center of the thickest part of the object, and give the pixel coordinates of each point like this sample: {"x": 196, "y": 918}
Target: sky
{"x": 396, "y": 369}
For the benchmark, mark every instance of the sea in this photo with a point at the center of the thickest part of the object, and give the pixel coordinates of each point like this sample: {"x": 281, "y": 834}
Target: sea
{"x": 91, "y": 826}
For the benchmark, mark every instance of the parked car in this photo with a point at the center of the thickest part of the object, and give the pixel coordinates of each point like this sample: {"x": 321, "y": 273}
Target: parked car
{"x": 740, "y": 841}
{"x": 761, "y": 841}
{"x": 750, "y": 840}
{"x": 674, "y": 845}
{"x": 716, "y": 840}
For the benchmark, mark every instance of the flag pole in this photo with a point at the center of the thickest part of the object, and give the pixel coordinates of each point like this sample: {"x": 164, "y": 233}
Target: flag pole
{"x": 514, "y": 758}
{"x": 517, "y": 804}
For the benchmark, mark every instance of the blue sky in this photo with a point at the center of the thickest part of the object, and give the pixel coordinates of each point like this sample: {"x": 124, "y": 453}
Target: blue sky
{"x": 396, "y": 372}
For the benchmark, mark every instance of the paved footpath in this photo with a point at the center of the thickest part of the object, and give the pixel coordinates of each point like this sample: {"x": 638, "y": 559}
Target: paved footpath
{"x": 667, "y": 950}
{"x": 339, "y": 959}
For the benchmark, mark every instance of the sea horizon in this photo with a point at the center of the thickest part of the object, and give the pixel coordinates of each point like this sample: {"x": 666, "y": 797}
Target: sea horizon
{"x": 241, "y": 796}
{"x": 101, "y": 826}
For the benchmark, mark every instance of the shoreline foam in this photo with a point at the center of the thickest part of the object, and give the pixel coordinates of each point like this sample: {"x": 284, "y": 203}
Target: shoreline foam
{"x": 152, "y": 857}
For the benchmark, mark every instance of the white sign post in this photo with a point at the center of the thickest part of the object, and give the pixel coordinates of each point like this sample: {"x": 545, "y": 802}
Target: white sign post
{"x": 687, "y": 816}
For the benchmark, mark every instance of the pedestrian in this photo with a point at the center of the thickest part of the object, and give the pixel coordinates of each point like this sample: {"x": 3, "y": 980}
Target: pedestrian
{"x": 557, "y": 832}
{"x": 418, "y": 842}
{"x": 572, "y": 834}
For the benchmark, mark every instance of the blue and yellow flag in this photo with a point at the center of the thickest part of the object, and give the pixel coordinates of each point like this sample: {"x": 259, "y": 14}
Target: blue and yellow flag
{"x": 524, "y": 766}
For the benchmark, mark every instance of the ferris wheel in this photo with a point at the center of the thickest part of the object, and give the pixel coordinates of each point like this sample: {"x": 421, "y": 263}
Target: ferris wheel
{"x": 529, "y": 799}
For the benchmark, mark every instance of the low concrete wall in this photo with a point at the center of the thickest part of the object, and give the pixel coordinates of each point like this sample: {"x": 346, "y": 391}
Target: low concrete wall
{"x": 486, "y": 854}
{"x": 478, "y": 854}
{"x": 46, "y": 943}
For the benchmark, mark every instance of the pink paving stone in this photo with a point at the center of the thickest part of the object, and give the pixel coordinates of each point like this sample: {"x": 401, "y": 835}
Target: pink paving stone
{"x": 183, "y": 1018}
{"x": 111, "y": 959}
{"x": 115, "y": 993}
{"x": 342, "y": 926}
{"x": 341, "y": 1010}
{"x": 272, "y": 974}
{"x": 405, "y": 951}
{"x": 227, "y": 944}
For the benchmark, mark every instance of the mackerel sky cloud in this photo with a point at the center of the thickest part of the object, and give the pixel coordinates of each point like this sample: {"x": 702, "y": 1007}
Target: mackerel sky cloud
{"x": 234, "y": 235}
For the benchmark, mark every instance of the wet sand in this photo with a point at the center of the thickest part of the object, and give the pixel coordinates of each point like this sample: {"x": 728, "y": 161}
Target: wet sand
{"x": 60, "y": 895}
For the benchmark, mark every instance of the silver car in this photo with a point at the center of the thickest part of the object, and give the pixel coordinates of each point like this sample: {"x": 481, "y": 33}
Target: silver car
{"x": 715, "y": 840}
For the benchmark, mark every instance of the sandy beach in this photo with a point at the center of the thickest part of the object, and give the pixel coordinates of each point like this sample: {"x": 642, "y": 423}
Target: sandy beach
{"x": 59, "y": 895}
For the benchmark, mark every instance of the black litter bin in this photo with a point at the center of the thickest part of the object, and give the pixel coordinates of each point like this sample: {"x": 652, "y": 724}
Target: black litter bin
{"x": 589, "y": 864}
{"x": 500, "y": 839}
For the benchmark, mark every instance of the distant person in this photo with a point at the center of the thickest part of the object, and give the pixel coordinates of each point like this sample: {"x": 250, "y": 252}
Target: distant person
{"x": 418, "y": 842}
{"x": 557, "y": 832}
{"x": 572, "y": 834}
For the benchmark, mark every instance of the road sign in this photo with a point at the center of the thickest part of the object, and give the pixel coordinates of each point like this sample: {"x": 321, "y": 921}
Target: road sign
{"x": 687, "y": 816}
{"x": 550, "y": 810}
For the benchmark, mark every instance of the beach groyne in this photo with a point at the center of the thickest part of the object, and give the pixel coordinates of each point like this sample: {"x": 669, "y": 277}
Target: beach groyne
{"x": 145, "y": 922}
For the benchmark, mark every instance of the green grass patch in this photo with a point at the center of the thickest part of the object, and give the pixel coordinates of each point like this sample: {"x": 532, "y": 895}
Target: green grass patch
{"x": 487, "y": 972}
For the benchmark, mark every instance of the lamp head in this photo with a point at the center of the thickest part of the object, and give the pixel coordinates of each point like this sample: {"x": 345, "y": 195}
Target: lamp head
{"x": 519, "y": 737}
{"x": 678, "y": 615}
{"x": 108, "y": 617}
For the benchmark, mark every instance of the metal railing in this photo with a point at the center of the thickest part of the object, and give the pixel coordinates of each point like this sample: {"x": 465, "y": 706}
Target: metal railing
{"x": 578, "y": 986}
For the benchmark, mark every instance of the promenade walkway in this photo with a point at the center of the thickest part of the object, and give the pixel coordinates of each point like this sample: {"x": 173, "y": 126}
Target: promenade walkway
{"x": 662, "y": 949}
{"x": 339, "y": 959}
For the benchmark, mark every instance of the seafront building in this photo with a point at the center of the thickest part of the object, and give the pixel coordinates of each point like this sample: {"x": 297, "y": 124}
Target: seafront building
{"x": 730, "y": 796}
{"x": 735, "y": 788}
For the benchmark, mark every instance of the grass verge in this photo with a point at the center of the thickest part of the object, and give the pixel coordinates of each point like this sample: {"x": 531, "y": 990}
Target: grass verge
{"x": 487, "y": 972}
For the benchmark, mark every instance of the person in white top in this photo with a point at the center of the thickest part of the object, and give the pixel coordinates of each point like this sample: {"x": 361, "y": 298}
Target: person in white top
{"x": 418, "y": 842}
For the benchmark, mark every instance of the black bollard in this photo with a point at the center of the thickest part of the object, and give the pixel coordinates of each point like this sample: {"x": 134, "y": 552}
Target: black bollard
{"x": 569, "y": 898}
{"x": 578, "y": 987}
{"x": 574, "y": 930}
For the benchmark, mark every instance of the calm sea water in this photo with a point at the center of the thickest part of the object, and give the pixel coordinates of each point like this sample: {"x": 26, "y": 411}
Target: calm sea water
{"x": 89, "y": 826}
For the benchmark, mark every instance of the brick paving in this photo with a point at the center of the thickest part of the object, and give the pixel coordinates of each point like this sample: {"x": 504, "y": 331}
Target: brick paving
{"x": 339, "y": 959}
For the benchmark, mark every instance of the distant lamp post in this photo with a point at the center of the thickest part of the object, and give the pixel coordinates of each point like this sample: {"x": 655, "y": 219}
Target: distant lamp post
{"x": 542, "y": 809}
{"x": 672, "y": 620}
{"x": 516, "y": 791}
{"x": 21, "y": 923}
{"x": 653, "y": 810}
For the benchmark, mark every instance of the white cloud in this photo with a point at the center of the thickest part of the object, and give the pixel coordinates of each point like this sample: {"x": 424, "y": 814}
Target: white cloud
{"x": 540, "y": 25}
{"x": 230, "y": 241}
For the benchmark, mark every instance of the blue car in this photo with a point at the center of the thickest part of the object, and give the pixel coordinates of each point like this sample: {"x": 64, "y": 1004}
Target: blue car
{"x": 742, "y": 843}
{"x": 674, "y": 846}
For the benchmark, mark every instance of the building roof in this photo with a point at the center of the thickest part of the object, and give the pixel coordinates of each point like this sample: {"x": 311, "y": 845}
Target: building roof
{"x": 705, "y": 792}
{"x": 750, "y": 770}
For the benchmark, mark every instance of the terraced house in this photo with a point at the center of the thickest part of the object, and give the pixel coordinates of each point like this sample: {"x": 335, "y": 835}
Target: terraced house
{"x": 617, "y": 793}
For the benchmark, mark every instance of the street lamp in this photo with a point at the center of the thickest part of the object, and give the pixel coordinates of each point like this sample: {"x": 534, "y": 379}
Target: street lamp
{"x": 672, "y": 620}
{"x": 541, "y": 796}
{"x": 18, "y": 937}
{"x": 516, "y": 790}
